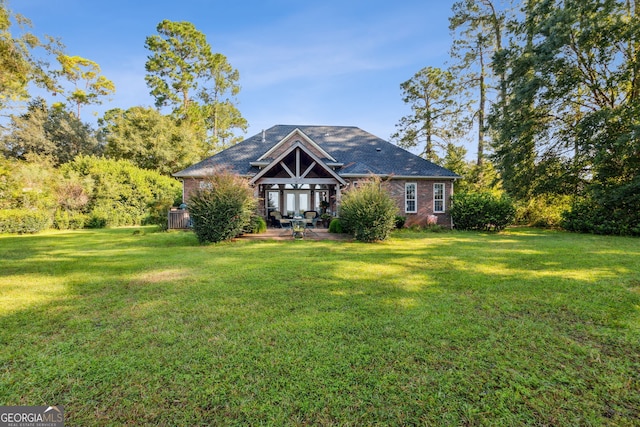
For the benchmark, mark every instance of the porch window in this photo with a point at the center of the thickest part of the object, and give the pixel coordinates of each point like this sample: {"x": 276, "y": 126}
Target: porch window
{"x": 273, "y": 201}
{"x": 438, "y": 197}
{"x": 296, "y": 202}
{"x": 410, "y": 197}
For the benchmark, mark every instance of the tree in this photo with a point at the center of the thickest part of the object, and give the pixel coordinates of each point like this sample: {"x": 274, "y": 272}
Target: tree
{"x": 18, "y": 64}
{"x": 48, "y": 131}
{"x": 478, "y": 27}
{"x": 149, "y": 139}
{"x": 573, "y": 80}
{"x": 88, "y": 85}
{"x": 198, "y": 85}
{"x": 436, "y": 112}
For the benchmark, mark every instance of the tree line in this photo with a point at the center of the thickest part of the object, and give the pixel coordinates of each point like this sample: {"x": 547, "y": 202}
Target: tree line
{"x": 548, "y": 90}
{"x": 551, "y": 92}
{"x": 57, "y": 170}
{"x": 194, "y": 88}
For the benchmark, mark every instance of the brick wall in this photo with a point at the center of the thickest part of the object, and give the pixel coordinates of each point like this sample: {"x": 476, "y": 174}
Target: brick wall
{"x": 189, "y": 186}
{"x": 396, "y": 188}
{"x": 424, "y": 201}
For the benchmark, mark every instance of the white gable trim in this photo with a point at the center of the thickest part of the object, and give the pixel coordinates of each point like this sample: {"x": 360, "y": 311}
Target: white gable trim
{"x": 298, "y": 175}
{"x": 302, "y": 136}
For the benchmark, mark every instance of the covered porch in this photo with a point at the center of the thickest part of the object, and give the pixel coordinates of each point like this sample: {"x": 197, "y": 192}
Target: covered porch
{"x": 296, "y": 183}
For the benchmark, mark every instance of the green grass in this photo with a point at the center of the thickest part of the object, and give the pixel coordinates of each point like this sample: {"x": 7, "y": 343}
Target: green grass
{"x": 526, "y": 327}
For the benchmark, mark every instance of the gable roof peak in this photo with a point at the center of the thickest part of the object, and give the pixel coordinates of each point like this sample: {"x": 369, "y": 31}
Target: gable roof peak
{"x": 292, "y": 137}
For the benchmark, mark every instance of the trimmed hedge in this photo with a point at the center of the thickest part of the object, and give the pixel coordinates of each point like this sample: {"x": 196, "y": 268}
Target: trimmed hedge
{"x": 482, "y": 211}
{"x": 335, "y": 226}
{"x": 23, "y": 221}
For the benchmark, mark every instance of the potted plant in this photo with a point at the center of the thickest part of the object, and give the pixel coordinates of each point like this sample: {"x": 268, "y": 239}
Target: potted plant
{"x": 326, "y": 219}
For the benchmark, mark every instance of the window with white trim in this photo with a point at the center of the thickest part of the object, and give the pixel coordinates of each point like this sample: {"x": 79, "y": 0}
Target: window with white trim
{"x": 205, "y": 185}
{"x": 438, "y": 197}
{"x": 410, "y": 197}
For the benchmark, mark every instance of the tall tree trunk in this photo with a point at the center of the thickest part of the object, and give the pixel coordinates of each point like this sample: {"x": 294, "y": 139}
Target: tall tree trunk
{"x": 481, "y": 111}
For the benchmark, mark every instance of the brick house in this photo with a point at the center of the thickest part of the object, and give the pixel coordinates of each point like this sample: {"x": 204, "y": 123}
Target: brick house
{"x": 299, "y": 168}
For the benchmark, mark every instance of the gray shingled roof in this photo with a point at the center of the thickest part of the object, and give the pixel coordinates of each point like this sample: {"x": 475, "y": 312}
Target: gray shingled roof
{"x": 361, "y": 153}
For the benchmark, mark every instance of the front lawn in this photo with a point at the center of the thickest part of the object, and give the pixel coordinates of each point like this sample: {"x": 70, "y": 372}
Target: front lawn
{"x": 124, "y": 327}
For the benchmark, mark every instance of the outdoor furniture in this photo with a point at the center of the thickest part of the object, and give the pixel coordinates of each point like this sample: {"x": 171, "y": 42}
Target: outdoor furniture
{"x": 298, "y": 226}
{"x": 275, "y": 218}
{"x": 311, "y": 217}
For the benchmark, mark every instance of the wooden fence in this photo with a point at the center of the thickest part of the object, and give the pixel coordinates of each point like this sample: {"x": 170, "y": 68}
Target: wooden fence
{"x": 179, "y": 219}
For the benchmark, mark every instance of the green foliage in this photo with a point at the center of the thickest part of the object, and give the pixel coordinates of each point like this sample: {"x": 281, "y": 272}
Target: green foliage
{"x": 221, "y": 209}
{"x": 69, "y": 220}
{"x": 48, "y": 131}
{"x": 21, "y": 62}
{"x": 88, "y": 86}
{"x": 122, "y": 193}
{"x": 22, "y": 221}
{"x": 481, "y": 211}
{"x": 368, "y": 212}
{"x": 335, "y": 226}
{"x": 199, "y": 85}
{"x": 28, "y": 185}
{"x": 257, "y": 225}
{"x": 544, "y": 210}
{"x": 150, "y": 140}
{"x": 400, "y": 221}
{"x": 570, "y": 122}
{"x": 614, "y": 212}
{"x": 436, "y": 117}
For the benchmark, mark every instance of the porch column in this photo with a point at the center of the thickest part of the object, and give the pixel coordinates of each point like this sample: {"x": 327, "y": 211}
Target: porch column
{"x": 256, "y": 195}
{"x": 338, "y": 198}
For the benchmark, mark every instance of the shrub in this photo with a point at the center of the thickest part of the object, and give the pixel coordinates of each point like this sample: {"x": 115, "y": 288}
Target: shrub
{"x": 22, "y": 221}
{"x": 400, "y": 221}
{"x": 481, "y": 211}
{"x": 221, "y": 210}
{"x": 97, "y": 219}
{"x": 69, "y": 220}
{"x": 589, "y": 216}
{"x": 543, "y": 210}
{"x": 368, "y": 212}
{"x": 120, "y": 193}
{"x": 257, "y": 225}
{"x": 335, "y": 226}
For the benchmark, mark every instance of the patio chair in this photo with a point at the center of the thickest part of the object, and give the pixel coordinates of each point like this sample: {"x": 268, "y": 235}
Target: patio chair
{"x": 311, "y": 217}
{"x": 276, "y": 219}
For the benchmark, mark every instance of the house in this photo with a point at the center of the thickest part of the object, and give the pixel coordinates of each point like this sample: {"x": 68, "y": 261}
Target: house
{"x": 298, "y": 168}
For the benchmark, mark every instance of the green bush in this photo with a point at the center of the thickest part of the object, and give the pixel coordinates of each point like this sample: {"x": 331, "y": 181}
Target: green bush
{"x": 22, "y": 221}
{"x": 335, "y": 226}
{"x": 97, "y": 219}
{"x": 481, "y": 211}
{"x": 69, "y": 220}
{"x": 257, "y": 225}
{"x": 400, "y": 221}
{"x": 588, "y": 216}
{"x": 222, "y": 209}
{"x": 368, "y": 212}
{"x": 123, "y": 194}
{"x": 543, "y": 210}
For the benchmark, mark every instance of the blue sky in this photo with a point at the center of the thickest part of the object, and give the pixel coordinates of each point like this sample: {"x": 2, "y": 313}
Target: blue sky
{"x": 323, "y": 62}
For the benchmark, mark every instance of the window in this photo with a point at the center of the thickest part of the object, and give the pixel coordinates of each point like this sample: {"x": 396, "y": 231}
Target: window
{"x": 438, "y": 197}
{"x": 205, "y": 185}
{"x": 273, "y": 201}
{"x": 410, "y": 197}
{"x": 296, "y": 202}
